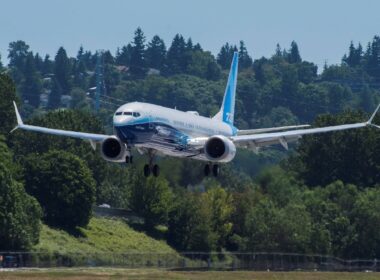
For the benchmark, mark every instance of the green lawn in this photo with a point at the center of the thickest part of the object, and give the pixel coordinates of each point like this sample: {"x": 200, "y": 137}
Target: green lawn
{"x": 107, "y": 273}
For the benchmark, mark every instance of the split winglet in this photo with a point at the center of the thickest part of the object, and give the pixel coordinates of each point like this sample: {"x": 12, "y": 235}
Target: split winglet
{"x": 372, "y": 117}
{"x": 18, "y": 117}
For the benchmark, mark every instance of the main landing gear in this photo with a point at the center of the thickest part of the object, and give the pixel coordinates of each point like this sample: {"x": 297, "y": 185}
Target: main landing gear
{"x": 214, "y": 168}
{"x": 151, "y": 168}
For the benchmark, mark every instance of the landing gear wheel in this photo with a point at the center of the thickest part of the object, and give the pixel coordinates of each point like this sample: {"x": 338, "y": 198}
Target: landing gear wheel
{"x": 146, "y": 170}
{"x": 215, "y": 170}
{"x": 156, "y": 170}
{"x": 207, "y": 170}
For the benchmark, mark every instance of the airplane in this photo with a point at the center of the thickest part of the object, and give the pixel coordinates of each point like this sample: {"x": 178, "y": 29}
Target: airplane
{"x": 160, "y": 131}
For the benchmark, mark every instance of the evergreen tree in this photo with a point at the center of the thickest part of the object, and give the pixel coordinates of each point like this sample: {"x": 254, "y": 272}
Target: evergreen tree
{"x": 47, "y": 65}
{"x": 155, "y": 53}
{"x": 245, "y": 60}
{"x": 176, "y": 56}
{"x": 55, "y": 95}
{"x": 373, "y": 60}
{"x": 225, "y": 55}
{"x": 62, "y": 71}
{"x": 38, "y": 62}
{"x": 18, "y": 51}
{"x": 31, "y": 86}
{"x": 124, "y": 55}
{"x": 189, "y": 44}
{"x": 80, "y": 53}
{"x": 278, "y": 52}
{"x": 1, "y": 64}
{"x": 137, "y": 64}
{"x": 294, "y": 55}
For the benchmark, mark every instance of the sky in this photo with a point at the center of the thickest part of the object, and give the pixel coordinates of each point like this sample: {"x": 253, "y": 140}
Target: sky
{"x": 323, "y": 29}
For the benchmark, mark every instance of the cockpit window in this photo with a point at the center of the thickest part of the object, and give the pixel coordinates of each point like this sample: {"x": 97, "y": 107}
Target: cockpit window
{"x": 118, "y": 113}
{"x": 136, "y": 114}
{"x": 127, "y": 113}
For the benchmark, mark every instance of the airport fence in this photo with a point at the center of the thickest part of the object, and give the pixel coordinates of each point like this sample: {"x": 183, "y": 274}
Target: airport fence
{"x": 189, "y": 261}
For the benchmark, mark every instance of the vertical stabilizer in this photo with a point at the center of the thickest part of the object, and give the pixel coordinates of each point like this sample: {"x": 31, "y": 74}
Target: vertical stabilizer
{"x": 227, "y": 111}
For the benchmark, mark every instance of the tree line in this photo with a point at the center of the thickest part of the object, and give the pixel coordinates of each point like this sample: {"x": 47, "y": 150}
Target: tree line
{"x": 323, "y": 197}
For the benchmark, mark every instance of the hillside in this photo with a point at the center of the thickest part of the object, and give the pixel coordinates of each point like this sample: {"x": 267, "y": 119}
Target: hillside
{"x": 100, "y": 236}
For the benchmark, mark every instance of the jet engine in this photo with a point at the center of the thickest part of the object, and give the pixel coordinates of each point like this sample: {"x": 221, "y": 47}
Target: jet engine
{"x": 219, "y": 149}
{"x": 113, "y": 149}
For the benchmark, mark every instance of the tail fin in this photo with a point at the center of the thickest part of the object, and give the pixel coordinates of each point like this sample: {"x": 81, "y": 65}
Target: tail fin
{"x": 227, "y": 111}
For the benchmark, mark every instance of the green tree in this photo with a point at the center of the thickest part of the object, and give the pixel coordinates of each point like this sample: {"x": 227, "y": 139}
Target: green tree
{"x": 7, "y": 95}
{"x": 138, "y": 63}
{"x": 62, "y": 70}
{"x": 190, "y": 224}
{"x": 245, "y": 60}
{"x": 294, "y": 55}
{"x": 63, "y": 185}
{"x": 19, "y": 213}
{"x": 176, "y": 56}
{"x": 31, "y": 85}
{"x": 123, "y": 56}
{"x": 221, "y": 208}
{"x": 55, "y": 95}
{"x": 156, "y": 53}
{"x": 225, "y": 55}
{"x": 152, "y": 199}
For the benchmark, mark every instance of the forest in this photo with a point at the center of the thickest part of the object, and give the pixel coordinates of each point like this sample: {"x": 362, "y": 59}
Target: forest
{"x": 322, "y": 196}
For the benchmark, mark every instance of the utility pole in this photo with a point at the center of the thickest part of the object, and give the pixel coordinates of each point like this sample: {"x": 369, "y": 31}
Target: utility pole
{"x": 99, "y": 72}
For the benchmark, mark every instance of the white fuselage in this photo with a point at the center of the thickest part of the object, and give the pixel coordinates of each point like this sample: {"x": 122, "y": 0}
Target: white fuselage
{"x": 164, "y": 129}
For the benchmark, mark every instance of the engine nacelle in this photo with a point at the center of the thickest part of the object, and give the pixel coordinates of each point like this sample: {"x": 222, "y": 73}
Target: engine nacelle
{"x": 113, "y": 149}
{"x": 219, "y": 148}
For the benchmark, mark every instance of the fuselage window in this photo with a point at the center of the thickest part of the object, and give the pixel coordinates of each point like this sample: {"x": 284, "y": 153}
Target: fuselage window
{"x": 118, "y": 113}
{"x": 136, "y": 115}
{"x": 127, "y": 113}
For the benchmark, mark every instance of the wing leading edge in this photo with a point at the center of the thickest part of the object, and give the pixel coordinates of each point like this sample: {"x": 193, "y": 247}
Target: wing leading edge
{"x": 81, "y": 135}
{"x": 283, "y": 137}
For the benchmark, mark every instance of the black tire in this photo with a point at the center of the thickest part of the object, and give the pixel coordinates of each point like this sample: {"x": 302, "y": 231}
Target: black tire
{"x": 128, "y": 159}
{"x": 156, "y": 170}
{"x": 146, "y": 170}
{"x": 215, "y": 170}
{"x": 207, "y": 170}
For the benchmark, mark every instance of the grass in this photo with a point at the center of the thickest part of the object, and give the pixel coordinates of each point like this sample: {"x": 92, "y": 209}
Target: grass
{"x": 100, "y": 236}
{"x": 108, "y": 273}
{"x": 103, "y": 242}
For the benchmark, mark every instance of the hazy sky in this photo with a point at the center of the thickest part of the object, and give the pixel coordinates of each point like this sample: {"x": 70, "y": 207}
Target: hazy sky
{"x": 323, "y": 29}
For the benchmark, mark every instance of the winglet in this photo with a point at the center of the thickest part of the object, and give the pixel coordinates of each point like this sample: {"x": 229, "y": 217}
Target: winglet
{"x": 373, "y": 115}
{"x": 18, "y": 117}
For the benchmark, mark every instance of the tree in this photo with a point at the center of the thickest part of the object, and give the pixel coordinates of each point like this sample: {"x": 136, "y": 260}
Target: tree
{"x": 63, "y": 185}
{"x": 31, "y": 86}
{"x": 155, "y": 53}
{"x": 152, "y": 199}
{"x": 221, "y": 208}
{"x": 62, "y": 71}
{"x": 176, "y": 56}
{"x": 47, "y": 65}
{"x": 7, "y": 95}
{"x": 17, "y": 53}
{"x": 190, "y": 225}
{"x": 294, "y": 55}
{"x": 1, "y": 64}
{"x": 19, "y": 213}
{"x": 55, "y": 94}
{"x": 123, "y": 56}
{"x": 225, "y": 55}
{"x": 24, "y": 142}
{"x": 245, "y": 60}
{"x": 138, "y": 63}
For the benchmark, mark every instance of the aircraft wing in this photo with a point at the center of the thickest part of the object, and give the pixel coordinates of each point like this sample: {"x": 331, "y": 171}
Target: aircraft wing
{"x": 92, "y": 137}
{"x": 284, "y": 137}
